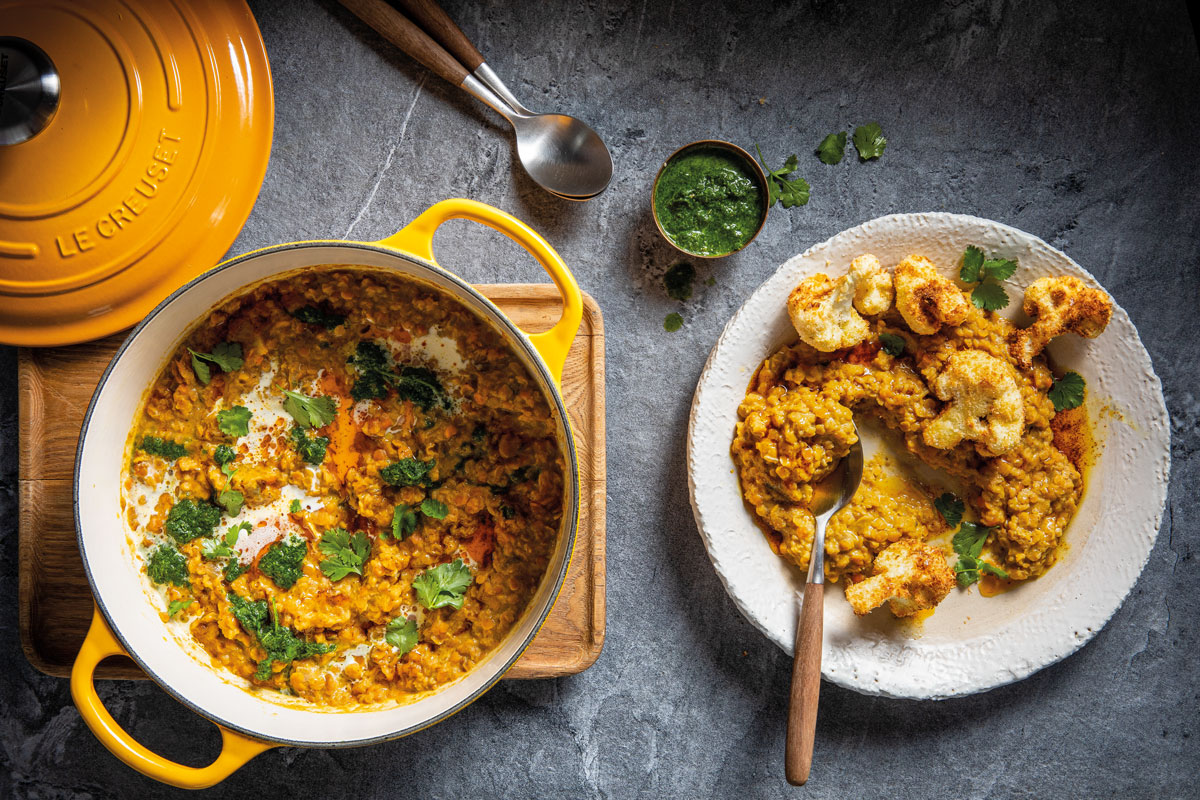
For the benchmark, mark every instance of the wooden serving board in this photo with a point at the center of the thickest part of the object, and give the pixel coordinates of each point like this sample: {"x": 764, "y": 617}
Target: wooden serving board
{"x": 56, "y": 385}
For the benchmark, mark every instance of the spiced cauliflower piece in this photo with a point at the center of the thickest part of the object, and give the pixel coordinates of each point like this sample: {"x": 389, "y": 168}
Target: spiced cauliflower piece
{"x": 872, "y": 285}
{"x": 926, "y": 299}
{"x": 1059, "y": 305}
{"x": 985, "y": 404}
{"x": 909, "y": 576}
{"x": 823, "y": 314}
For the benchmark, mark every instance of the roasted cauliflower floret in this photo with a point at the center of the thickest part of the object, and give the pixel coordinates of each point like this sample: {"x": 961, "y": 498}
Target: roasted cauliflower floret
{"x": 1059, "y": 305}
{"x": 925, "y": 298}
{"x": 872, "y": 285}
{"x": 822, "y": 312}
{"x": 910, "y": 576}
{"x": 984, "y": 404}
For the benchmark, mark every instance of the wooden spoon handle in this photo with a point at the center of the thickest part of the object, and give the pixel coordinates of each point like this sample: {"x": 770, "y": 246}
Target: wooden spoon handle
{"x": 400, "y": 31}
{"x": 437, "y": 23}
{"x": 806, "y": 685}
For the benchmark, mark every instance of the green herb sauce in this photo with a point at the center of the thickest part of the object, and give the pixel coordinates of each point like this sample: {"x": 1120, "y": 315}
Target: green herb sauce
{"x": 708, "y": 201}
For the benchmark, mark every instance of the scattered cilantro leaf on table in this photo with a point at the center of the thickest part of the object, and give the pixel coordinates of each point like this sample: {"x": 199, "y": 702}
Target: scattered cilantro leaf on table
{"x": 311, "y": 448}
{"x": 433, "y": 508}
{"x": 190, "y": 518}
{"x": 163, "y": 448}
{"x": 832, "y": 148}
{"x": 226, "y": 356}
{"x": 443, "y": 585}
{"x": 673, "y": 322}
{"x": 401, "y": 633}
{"x": 347, "y": 552}
{"x": 951, "y": 509}
{"x": 1067, "y": 392}
{"x": 322, "y": 315}
{"x": 234, "y": 421}
{"x": 786, "y": 191}
{"x": 678, "y": 281}
{"x": 893, "y": 344}
{"x": 407, "y": 472}
{"x": 404, "y": 522}
{"x": 167, "y": 565}
{"x": 309, "y": 412}
{"x": 869, "y": 141}
{"x": 282, "y": 562}
{"x": 177, "y": 606}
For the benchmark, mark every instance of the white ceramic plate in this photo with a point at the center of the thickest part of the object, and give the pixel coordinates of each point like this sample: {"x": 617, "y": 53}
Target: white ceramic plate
{"x": 972, "y": 643}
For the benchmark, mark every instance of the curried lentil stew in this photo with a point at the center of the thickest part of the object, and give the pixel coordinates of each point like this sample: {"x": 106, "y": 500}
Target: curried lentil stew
{"x": 959, "y": 387}
{"x": 346, "y": 487}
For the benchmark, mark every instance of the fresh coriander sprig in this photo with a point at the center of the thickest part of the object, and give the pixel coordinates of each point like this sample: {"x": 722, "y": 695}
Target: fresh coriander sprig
{"x": 234, "y": 421}
{"x": 227, "y": 356}
{"x": 309, "y": 412}
{"x": 786, "y": 191}
{"x": 443, "y": 585}
{"x": 893, "y": 344}
{"x": 980, "y": 270}
{"x": 347, "y": 553}
{"x": 401, "y": 633}
{"x": 869, "y": 141}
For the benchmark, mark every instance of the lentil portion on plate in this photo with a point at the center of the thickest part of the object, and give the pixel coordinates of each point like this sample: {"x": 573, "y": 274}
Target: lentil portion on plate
{"x": 370, "y": 490}
{"x": 795, "y": 424}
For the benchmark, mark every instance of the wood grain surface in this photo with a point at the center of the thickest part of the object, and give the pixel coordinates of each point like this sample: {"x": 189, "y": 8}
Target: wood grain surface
{"x": 56, "y": 385}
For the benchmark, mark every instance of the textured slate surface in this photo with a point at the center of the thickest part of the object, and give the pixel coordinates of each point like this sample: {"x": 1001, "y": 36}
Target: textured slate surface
{"x": 1074, "y": 121}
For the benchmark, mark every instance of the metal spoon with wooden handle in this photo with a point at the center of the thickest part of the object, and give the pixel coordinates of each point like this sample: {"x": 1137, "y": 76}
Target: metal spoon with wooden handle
{"x": 562, "y": 154}
{"x": 831, "y": 496}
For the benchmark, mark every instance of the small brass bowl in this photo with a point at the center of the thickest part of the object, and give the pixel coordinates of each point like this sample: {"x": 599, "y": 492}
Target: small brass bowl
{"x": 756, "y": 170}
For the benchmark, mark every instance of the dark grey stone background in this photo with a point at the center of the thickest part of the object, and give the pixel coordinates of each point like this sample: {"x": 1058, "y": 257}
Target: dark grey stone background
{"x": 1074, "y": 121}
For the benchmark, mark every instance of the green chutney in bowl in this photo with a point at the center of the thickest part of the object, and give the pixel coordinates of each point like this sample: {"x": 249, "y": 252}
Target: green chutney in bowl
{"x": 710, "y": 198}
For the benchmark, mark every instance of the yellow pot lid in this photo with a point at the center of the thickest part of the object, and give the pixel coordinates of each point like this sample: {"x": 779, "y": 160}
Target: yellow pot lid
{"x": 146, "y": 170}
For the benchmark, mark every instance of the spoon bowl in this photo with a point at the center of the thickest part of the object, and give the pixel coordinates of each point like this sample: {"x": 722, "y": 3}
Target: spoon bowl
{"x": 562, "y": 154}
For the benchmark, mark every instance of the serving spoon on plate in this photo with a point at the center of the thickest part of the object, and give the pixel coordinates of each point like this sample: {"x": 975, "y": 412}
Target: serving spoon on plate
{"x": 561, "y": 153}
{"x": 830, "y": 496}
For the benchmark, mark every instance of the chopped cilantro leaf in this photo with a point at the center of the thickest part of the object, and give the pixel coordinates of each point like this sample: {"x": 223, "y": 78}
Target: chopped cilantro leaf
{"x": 374, "y": 367}
{"x": 1067, "y": 392}
{"x": 282, "y": 562}
{"x": 347, "y": 553}
{"x": 968, "y": 545}
{"x": 893, "y": 344}
{"x": 311, "y": 448}
{"x": 434, "y": 508}
{"x": 678, "y": 281}
{"x": 177, "y": 606}
{"x": 989, "y": 297}
{"x": 970, "y": 538}
{"x": 227, "y": 356}
{"x": 189, "y": 519}
{"x": 443, "y": 585}
{"x": 164, "y": 449}
{"x": 234, "y": 570}
{"x": 294, "y": 508}
{"x": 951, "y": 509}
{"x": 322, "y": 315}
{"x": 309, "y": 412}
{"x": 234, "y": 421}
{"x": 401, "y": 633}
{"x": 281, "y": 643}
{"x": 673, "y": 322}
{"x": 231, "y": 500}
{"x": 223, "y": 547}
{"x": 421, "y": 386}
{"x": 407, "y": 472}
{"x": 167, "y": 565}
{"x": 869, "y": 141}
{"x": 404, "y": 522}
{"x": 832, "y": 148}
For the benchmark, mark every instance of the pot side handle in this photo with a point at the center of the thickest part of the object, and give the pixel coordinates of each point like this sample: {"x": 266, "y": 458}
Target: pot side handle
{"x": 100, "y": 643}
{"x": 417, "y": 239}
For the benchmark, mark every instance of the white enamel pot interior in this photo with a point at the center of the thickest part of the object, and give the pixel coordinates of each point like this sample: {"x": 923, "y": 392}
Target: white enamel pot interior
{"x": 114, "y": 573}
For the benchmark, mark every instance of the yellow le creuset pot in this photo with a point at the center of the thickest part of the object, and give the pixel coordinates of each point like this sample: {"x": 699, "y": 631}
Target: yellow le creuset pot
{"x": 127, "y": 620}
